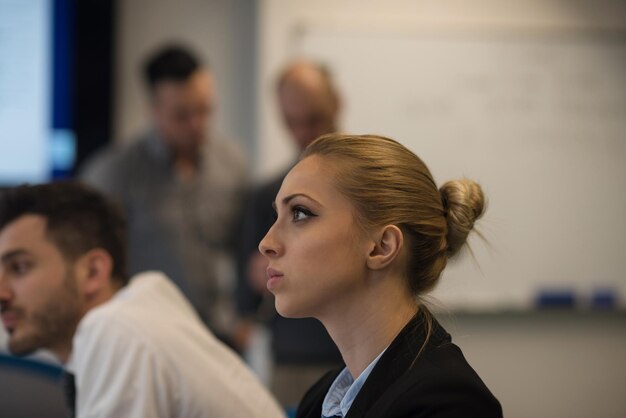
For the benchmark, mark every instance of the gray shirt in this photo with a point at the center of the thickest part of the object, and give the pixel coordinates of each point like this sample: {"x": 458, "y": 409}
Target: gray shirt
{"x": 185, "y": 229}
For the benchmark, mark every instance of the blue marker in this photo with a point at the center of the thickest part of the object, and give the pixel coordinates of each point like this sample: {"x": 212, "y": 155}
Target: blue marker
{"x": 604, "y": 299}
{"x": 556, "y": 299}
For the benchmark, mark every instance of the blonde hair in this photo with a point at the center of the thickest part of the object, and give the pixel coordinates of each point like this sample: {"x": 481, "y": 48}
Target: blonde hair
{"x": 388, "y": 184}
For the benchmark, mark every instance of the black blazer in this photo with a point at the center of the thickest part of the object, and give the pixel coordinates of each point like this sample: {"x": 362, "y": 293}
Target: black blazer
{"x": 438, "y": 384}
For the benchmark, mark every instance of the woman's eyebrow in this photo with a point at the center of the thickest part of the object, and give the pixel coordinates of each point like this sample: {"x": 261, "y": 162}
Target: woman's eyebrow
{"x": 287, "y": 199}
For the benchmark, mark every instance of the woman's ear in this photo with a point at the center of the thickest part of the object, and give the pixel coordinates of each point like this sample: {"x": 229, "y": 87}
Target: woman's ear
{"x": 94, "y": 269}
{"x": 388, "y": 242}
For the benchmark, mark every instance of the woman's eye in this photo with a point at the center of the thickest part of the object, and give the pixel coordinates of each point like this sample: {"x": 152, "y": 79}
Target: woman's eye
{"x": 301, "y": 214}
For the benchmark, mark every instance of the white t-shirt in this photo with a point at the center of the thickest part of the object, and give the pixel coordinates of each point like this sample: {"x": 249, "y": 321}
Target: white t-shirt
{"x": 145, "y": 353}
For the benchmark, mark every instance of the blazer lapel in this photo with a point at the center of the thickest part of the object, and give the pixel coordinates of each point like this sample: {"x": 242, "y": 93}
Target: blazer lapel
{"x": 311, "y": 406}
{"x": 396, "y": 360}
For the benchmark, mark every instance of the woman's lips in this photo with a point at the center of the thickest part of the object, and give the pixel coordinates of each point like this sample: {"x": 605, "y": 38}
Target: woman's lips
{"x": 273, "y": 278}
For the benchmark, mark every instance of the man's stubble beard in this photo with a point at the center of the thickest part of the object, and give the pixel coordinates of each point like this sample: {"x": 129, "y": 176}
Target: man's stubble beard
{"x": 51, "y": 325}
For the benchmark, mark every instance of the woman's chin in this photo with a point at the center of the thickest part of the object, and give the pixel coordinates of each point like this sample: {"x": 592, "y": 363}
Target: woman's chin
{"x": 287, "y": 310}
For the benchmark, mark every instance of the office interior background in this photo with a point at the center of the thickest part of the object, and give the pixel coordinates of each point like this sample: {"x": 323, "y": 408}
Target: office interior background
{"x": 542, "y": 362}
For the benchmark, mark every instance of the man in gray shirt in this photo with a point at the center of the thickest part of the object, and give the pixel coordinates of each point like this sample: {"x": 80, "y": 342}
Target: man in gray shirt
{"x": 181, "y": 188}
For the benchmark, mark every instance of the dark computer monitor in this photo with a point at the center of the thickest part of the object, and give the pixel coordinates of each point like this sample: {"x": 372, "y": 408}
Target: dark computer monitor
{"x": 56, "y": 60}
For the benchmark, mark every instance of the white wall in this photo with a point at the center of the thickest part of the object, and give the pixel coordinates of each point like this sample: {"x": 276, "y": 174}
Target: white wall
{"x": 222, "y": 31}
{"x": 548, "y": 364}
{"x": 280, "y": 21}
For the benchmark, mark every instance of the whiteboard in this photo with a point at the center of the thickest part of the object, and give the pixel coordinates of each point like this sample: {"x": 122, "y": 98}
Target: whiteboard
{"x": 538, "y": 120}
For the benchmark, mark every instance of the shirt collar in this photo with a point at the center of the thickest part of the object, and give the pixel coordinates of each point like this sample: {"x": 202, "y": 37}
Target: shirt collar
{"x": 70, "y": 364}
{"x": 344, "y": 390}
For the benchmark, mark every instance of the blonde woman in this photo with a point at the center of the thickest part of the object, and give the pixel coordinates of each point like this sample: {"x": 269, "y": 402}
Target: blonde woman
{"x": 362, "y": 233}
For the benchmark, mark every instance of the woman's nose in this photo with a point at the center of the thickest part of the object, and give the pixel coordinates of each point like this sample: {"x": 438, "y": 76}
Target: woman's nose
{"x": 269, "y": 246}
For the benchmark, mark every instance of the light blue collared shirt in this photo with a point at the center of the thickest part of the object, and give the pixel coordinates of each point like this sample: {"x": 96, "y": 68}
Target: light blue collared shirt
{"x": 344, "y": 390}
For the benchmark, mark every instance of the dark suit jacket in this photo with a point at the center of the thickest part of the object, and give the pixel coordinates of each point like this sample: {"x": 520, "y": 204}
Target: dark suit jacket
{"x": 438, "y": 384}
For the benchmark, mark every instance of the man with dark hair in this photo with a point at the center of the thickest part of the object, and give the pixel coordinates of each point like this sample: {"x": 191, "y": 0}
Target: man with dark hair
{"x": 134, "y": 348}
{"x": 302, "y": 349}
{"x": 180, "y": 187}
{"x": 173, "y": 63}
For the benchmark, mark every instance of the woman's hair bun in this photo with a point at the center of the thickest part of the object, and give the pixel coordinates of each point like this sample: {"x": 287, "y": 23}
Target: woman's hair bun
{"x": 464, "y": 203}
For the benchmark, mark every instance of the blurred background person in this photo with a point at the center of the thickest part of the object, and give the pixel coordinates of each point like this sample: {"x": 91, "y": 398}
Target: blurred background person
{"x": 301, "y": 349}
{"x": 180, "y": 185}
